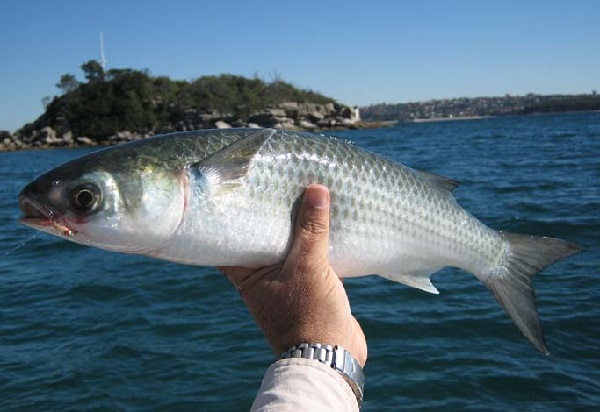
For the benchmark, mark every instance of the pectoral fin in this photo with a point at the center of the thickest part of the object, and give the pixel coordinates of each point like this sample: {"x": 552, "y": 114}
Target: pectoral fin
{"x": 224, "y": 169}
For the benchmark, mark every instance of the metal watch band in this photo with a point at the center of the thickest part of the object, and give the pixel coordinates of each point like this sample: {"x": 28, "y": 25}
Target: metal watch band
{"x": 336, "y": 357}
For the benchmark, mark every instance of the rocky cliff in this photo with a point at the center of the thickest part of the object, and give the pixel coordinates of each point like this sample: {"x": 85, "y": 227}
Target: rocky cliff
{"x": 289, "y": 116}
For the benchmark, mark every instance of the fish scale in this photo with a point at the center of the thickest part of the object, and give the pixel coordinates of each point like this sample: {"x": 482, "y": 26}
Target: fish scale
{"x": 387, "y": 200}
{"x": 229, "y": 197}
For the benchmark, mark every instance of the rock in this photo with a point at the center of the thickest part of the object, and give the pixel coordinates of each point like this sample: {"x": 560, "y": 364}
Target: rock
{"x": 315, "y": 107}
{"x": 316, "y": 115}
{"x": 289, "y": 106}
{"x": 287, "y": 126}
{"x": 306, "y": 108}
{"x": 292, "y": 110}
{"x": 55, "y": 141}
{"x": 5, "y": 134}
{"x": 86, "y": 141}
{"x": 276, "y": 112}
{"x": 306, "y": 125}
{"x": 262, "y": 117}
{"x": 124, "y": 135}
{"x": 222, "y": 125}
{"x": 327, "y": 122}
{"x": 238, "y": 123}
{"x": 42, "y": 136}
{"x": 48, "y": 132}
{"x": 206, "y": 118}
{"x": 68, "y": 137}
{"x": 286, "y": 115}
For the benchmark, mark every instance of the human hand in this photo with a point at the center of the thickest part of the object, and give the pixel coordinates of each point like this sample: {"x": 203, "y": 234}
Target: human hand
{"x": 302, "y": 299}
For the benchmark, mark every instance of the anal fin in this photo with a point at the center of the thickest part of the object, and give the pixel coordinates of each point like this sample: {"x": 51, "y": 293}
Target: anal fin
{"x": 416, "y": 279}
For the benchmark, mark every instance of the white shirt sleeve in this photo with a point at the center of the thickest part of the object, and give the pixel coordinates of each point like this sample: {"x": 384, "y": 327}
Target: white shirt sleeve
{"x": 303, "y": 385}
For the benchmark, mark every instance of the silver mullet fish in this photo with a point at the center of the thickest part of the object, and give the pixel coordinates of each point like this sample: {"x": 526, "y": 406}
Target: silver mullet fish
{"x": 228, "y": 198}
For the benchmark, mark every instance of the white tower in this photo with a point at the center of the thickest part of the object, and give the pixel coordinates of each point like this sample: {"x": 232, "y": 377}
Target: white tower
{"x": 103, "y": 60}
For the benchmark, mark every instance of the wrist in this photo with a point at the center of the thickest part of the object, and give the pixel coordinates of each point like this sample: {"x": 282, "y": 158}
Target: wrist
{"x": 335, "y": 357}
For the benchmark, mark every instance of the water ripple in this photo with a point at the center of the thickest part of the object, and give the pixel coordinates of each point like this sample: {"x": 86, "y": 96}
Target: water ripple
{"x": 83, "y": 329}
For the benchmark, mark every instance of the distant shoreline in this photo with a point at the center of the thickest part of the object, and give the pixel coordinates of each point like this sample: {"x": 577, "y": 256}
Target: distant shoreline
{"x": 463, "y": 108}
{"x": 450, "y": 119}
{"x": 447, "y": 119}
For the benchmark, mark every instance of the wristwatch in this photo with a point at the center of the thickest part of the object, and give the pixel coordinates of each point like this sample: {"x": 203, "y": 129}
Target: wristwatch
{"x": 336, "y": 357}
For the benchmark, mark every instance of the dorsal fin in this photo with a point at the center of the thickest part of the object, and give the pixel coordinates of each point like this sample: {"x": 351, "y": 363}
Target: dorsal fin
{"x": 439, "y": 181}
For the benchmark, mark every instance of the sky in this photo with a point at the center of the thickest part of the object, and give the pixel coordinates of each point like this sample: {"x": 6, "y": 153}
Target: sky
{"x": 358, "y": 52}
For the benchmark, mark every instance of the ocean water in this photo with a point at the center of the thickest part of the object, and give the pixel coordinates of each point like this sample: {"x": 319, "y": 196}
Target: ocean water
{"x": 86, "y": 330}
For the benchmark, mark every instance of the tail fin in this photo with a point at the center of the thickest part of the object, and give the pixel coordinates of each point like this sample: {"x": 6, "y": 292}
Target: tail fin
{"x": 512, "y": 283}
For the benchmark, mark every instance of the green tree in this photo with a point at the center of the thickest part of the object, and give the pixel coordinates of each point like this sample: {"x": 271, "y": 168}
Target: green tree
{"x": 67, "y": 83}
{"x": 46, "y": 101}
{"x": 93, "y": 71}
{"x": 128, "y": 99}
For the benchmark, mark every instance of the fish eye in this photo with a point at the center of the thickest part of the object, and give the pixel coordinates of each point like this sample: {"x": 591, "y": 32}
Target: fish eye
{"x": 85, "y": 198}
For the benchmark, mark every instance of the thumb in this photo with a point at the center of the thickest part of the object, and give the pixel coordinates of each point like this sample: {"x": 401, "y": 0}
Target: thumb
{"x": 310, "y": 247}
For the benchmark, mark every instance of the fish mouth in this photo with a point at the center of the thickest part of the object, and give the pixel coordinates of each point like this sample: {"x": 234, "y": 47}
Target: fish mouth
{"x": 38, "y": 216}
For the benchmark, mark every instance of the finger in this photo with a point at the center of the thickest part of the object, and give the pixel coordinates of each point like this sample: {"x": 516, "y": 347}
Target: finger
{"x": 310, "y": 247}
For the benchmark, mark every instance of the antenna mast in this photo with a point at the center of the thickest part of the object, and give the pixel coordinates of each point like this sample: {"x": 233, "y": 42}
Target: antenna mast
{"x": 102, "y": 58}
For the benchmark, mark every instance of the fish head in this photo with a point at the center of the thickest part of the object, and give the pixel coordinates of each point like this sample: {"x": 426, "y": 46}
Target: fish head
{"x": 121, "y": 203}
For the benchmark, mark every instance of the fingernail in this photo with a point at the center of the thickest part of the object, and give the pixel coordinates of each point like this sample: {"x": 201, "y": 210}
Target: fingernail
{"x": 317, "y": 197}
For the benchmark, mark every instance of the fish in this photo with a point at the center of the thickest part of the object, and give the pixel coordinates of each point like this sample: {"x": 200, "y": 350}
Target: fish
{"x": 229, "y": 198}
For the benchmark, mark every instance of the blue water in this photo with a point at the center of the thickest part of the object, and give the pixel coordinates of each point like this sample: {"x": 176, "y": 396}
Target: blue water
{"x": 87, "y": 330}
